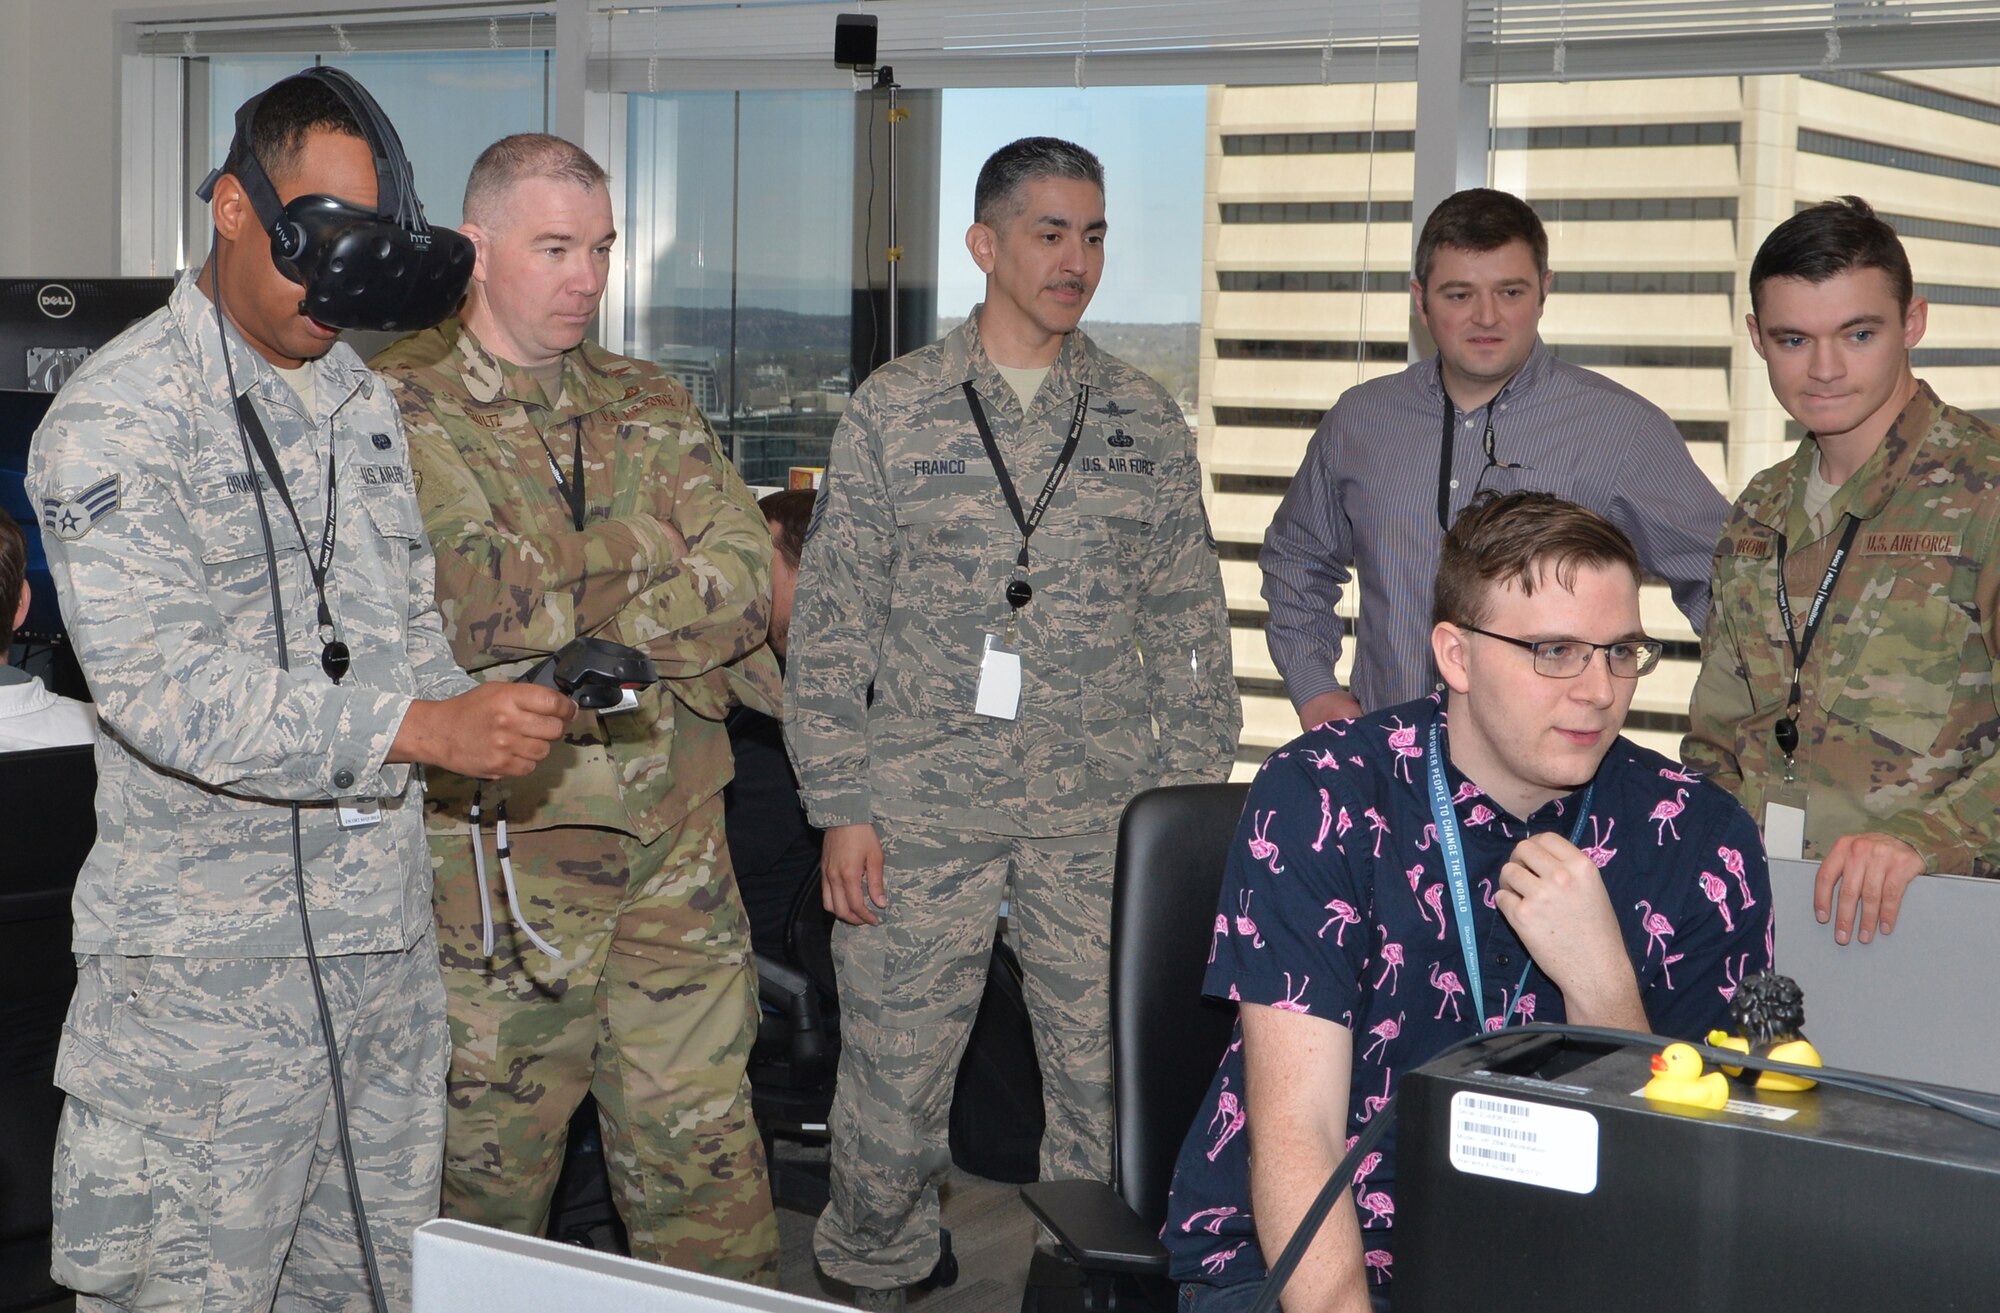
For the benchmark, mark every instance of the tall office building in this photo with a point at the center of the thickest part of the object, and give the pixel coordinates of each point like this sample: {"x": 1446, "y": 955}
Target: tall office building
{"x": 1656, "y": 195}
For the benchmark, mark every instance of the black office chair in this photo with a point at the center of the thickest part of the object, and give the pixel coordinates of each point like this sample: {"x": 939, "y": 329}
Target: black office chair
{"x": 48, "y": 821}
{"x": 1166, "y": 1041}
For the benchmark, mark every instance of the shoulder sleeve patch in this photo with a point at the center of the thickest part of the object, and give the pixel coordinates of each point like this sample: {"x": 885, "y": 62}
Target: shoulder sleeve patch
{"x": 75, "y": 514}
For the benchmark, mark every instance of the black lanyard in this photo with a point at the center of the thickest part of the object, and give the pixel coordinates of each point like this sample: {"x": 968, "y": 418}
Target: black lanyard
{"x": 1018, "y": 590}
{"x": 571, "y": 488}
{"x": 1444, "y": 448}
{"x": 1787, "y": 728}
{"x": 334, "y": 658}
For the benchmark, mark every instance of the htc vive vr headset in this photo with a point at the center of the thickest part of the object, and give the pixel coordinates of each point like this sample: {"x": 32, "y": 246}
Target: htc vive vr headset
{"x": 386, "y": 271}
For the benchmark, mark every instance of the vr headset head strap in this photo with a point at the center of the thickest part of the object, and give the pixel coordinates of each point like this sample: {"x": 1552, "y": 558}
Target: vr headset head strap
{"x": 396, "y": 193}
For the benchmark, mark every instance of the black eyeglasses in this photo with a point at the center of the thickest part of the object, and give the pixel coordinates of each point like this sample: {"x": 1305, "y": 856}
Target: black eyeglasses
{"x": 1566, "y": 658}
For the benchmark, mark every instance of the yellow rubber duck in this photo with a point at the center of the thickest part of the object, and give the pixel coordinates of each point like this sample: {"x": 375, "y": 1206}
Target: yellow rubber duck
{"x": 1677, "y": 1078}
{"x": 1799, "y": 1052}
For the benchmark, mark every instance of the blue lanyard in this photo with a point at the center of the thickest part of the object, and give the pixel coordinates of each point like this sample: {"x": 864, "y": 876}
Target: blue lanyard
{"x": 1453, "y": 850}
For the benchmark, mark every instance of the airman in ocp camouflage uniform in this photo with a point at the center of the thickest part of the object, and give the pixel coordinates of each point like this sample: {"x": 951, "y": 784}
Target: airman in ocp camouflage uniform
{"x": 1125, "y": 683}
{"x": 617, "y": 844}
{"x": 198, "y": 1166}
{"x": 1900, "y": 715}
{"x": 1889, "y": 748}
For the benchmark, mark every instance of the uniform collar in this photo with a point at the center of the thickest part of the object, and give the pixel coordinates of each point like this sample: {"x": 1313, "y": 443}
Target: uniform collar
{"x": 1873, "y": 484}
{"x": 337, "y": 376}
{"x": 967, "y": 362}
{"x": 586, "y": 384}
{"x": 1532, "y": 371}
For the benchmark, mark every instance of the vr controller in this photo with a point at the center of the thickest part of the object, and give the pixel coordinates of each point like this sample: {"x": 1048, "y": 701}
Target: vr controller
{"x": 596, "y": 674}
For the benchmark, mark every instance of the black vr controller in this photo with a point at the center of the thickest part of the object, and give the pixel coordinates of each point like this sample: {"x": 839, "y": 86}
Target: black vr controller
{"x": 385, "y": 271}
{"x": 595, "y": 673}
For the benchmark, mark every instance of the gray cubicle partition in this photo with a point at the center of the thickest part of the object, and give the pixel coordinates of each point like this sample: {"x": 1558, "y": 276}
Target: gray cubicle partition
{"x": 1919, "y": 1003}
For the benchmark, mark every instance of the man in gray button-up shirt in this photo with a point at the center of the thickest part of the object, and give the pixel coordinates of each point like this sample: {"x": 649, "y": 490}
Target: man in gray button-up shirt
{"x": 1377, "y": 487}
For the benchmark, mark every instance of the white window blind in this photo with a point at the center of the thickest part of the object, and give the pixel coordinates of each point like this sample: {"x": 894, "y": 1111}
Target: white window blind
{"x": 1549, "y": 40}
{"x": 357, "y": 30}
{"x": 697, "y": 45}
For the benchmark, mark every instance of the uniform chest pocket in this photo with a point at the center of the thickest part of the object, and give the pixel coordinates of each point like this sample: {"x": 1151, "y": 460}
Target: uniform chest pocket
{"x": 1115, "y": 512}
{"x": 232, "y": 538}
{"x": 1921, "y": 647}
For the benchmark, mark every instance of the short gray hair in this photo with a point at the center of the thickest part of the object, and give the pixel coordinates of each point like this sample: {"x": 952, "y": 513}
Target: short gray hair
{"x": 513, "y": 160}
{"x": 996, "y": 196}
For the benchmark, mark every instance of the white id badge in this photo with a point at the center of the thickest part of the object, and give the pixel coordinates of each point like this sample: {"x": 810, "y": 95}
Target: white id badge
{"x": 999, "y": 682}
{"x": 1784, "y": 832}
{"x": 360, "y": 813}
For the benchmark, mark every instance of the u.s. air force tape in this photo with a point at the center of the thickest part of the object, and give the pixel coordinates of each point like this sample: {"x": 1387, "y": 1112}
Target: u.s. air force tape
{"x": 75, "y": 514}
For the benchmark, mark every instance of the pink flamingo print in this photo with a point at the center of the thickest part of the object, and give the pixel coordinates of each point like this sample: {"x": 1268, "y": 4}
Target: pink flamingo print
{"x": 1713, "y": 889}
{"x": 1216, "y": 1261}
{"x": 1323, "y": 759}
{"x": 1466, "y": 793}
{"x": 1666, "y": 961}
{"x": 1383, "y": 1031}
{"x": 1734, "y": 978}
{"x": 1392, "y": 962}
{"x": 1480, "y": 814}
{"x": 1215, "y": 940}
{"x": 1262, "y": 848}
{"x": 1732, "y": 861}
{"x": 1486, "y": 893}
{"x": 1367, "y": 1167}
{"x": 1229, "y": 1115}
{"x": 1524, "y": 1008}
{"x": 1665, "y": 813}
{"x": 1415, "y": 876}
{"x": 1446, "y": 983}
{"x": 1375, "y": 1103}
{"x": 1770, "y": 931}
{"x": 1378, "y": 1261}
{"x": 1244, "y": 925}
{"x": 1599, "y": 854}
{"x": 1325, "y": 820}
{"x": 1344, "y": 916}
{"x": 1435, "y": 897}
{"x": 1290, "y": 1002}
{"x": 1429, "y": 837}
{"x": 1685, "y": 778}
{"x": 1379, "y": 826}
{"x": 1342, "y": 824}
{"x": 1658, "y": 928}
{"x": 1403, "y": 741}
{"x": 1376, "y": 1203}
{"x": 1356, "y": 760}
{"x": 1216, "y": 1216}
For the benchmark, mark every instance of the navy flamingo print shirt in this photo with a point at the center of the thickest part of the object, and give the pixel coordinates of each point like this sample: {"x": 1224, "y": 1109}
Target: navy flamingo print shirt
{"x": 1335, "y": 904}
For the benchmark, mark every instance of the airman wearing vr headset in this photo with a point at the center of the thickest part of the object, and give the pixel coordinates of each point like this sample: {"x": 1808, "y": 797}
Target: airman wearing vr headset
{"x": 225, "y": 496}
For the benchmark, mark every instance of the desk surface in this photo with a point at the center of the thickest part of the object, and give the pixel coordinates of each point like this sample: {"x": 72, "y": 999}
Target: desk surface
{"x": 1919, "y": 1003}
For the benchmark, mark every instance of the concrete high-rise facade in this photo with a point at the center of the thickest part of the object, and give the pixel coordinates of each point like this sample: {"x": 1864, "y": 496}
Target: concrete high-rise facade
{"x": 1656, "y": 195}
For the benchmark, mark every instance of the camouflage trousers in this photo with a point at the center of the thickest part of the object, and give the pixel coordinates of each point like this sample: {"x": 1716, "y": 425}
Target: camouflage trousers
{"x": 652, "y": 1008}
{"x": 198, "y": 1165}
{"x": 909, "y": 990}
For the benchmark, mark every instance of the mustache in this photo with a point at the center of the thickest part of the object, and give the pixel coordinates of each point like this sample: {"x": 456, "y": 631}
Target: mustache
{"x": 1069, "y": 284}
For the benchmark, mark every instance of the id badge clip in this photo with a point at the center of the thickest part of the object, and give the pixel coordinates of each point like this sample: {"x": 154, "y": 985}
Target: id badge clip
{"x": 360, "y": 813}
{"x": 999, "y": 681}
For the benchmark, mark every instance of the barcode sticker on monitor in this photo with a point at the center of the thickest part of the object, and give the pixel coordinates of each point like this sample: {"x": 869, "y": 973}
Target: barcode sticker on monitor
{"x": 1533, "y": 1143}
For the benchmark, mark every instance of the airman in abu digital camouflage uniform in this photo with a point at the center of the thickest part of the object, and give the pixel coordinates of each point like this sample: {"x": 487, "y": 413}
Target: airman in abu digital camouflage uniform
{"x": 198, "y": 1167}
{"x": 999, "y": 743}
{"x": 1888, "y": 749}
{"x": 617, "y": 845}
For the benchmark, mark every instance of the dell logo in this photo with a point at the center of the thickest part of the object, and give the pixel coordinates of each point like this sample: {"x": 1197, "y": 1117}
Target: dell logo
{"x": 56, "y": 301}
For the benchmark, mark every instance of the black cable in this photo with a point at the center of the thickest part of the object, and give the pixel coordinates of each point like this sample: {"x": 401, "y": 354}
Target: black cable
{"x": 368, "y": 1261}
{"x": 1882, "y": 1086}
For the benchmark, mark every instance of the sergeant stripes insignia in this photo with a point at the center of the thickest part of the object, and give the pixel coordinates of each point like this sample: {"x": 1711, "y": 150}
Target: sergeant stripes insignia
{"x": 71, "y": 517}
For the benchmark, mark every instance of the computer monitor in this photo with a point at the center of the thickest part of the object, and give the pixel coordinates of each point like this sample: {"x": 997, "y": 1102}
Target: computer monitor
{"x": 48, "y": 326}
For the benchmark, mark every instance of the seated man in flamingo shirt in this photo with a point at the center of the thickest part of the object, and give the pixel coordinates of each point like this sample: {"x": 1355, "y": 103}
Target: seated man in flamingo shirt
{"x": 1600, "y": 884}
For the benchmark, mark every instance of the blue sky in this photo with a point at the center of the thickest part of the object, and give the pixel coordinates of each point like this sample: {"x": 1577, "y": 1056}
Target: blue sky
{"x": 1151, "y": 140}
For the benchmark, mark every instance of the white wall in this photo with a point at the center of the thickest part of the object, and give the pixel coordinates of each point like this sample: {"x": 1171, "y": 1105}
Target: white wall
{"x": 59, "y": 148}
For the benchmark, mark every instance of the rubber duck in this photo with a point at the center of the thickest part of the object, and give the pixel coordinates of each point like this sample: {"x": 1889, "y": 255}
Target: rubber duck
{"x": 1678, "y": 1078}
{"x": 1770, "y": 1015}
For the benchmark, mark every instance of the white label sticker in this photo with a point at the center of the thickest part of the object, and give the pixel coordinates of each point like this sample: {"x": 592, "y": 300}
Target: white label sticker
{"x": 1742, "y": 1108}
{"x": 1533, "y": 1143}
